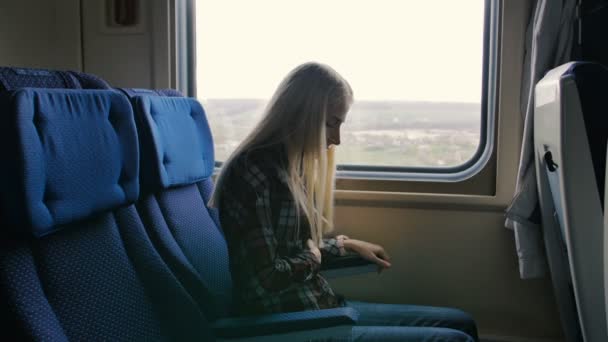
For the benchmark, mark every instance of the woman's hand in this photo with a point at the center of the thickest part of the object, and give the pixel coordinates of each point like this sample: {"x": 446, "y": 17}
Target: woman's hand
{"x": 315, "y": 250}
{"x": 369, "y": 251}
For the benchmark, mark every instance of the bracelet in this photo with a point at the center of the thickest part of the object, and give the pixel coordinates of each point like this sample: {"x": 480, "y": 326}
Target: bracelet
{"x": 340, "y": 244}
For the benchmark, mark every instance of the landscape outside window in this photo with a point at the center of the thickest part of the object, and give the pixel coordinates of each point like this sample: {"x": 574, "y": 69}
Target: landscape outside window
{"x": 415, "y": 67}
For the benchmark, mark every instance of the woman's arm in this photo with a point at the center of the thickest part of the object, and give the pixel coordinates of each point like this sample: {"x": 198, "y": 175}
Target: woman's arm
{"x": 339, "y": 245}
{"x": 369, "y": 251}
{"x": 334, "y": 246}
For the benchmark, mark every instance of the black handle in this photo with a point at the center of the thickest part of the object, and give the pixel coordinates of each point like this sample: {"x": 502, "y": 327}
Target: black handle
{"x": 551, "y": 165}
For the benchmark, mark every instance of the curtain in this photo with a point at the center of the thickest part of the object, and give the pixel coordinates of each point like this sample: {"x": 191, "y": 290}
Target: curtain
{"x": 549, "y": 40}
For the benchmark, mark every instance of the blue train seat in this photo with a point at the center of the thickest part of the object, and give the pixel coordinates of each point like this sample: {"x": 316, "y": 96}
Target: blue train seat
{"x": 75, "y": 260}
{"x": 177, "y": 163}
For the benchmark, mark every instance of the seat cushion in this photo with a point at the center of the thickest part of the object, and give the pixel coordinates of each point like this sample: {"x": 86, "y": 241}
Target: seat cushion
{"x": 98, "y": 279}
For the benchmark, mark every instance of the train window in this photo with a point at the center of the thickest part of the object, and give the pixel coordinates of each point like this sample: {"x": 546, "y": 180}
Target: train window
{"x": 418, "y": 70}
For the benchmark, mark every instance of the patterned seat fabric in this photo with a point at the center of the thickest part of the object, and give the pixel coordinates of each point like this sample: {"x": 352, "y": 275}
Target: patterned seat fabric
{"x": 176, "y": 167}
{"x": 75, "y": 260}
{"x": 12, "y": 78}
{"x": 177, "y": 163}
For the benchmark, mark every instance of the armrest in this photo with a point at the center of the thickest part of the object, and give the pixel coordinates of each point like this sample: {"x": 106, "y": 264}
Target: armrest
{"x": 346, "y": 265}
{"x": 350, "y": 260}
{"x": 248, "y": 326}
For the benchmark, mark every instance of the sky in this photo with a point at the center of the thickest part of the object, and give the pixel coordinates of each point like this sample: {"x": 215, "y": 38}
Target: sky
{"x": 409, "y": 50}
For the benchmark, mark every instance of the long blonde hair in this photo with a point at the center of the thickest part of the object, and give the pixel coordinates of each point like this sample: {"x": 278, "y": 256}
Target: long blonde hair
{"x": 296, "y": 117}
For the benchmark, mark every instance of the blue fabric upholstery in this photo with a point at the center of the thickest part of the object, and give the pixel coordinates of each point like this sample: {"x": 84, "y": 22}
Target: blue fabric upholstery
{"x": 98, "y": 279}
{"x": 133, "y": 92}
{"x": 76, "y": 154}
{"x": 169, "y": 92}
{"x": 284, "y": 322}
{"x": 179, "y": 140}
{"x": 206, "y": 187}
{"x": 88, "y": 81}
{"x": 24, "y": 302}
{"x": 180, "y": 224}
{"x": 14, "y": 78}
{"x": 98, "y": 276}
{"x": 89, "y": 257}
{"x": 176, "y": 308}
{"x": 172, "y": 253}
{"x": 192, "y": 245}
{"x": 187, "y": 233}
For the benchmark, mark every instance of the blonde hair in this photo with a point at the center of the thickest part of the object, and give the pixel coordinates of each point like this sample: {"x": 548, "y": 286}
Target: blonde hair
{"x": 296, "y": 117}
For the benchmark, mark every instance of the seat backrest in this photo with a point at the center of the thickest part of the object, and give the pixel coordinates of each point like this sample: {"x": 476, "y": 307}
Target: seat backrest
{"x": 176, "y": 168}
{"x": 75, "y": 260}
{"x": 570, "y": 133}
{"x": 12, "y": 78}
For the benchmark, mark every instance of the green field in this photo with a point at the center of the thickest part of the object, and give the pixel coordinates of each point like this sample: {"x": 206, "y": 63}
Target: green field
{"x": 390, "y": 133}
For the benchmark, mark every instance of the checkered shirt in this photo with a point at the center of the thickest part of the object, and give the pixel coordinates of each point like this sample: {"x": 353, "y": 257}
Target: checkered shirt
{"x": 273, "y": 270}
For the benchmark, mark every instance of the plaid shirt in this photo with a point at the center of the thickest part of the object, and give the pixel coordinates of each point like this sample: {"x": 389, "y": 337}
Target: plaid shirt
{"x": 272, "y": 268}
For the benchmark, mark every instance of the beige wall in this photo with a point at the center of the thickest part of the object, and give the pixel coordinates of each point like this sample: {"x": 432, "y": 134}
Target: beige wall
{"x": 137, "y": 57}
{"x": 47, "y": 34}
{"x": 40, "y": 33}
{"x": 456, "y": 258}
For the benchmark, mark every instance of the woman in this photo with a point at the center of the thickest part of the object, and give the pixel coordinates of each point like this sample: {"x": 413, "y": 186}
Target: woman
{"x": 275, "y": 195}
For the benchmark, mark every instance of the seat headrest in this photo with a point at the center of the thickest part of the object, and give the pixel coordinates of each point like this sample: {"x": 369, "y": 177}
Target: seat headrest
{"x": 175, "y": 139}
{"x": 67, "y": 154}
{"x": 89, "y": 81}
{"x": 133, "y": 92}
{"x": 12, "y": 78}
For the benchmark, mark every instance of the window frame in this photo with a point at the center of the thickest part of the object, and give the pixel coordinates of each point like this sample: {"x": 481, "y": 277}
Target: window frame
{"x": 353, "y": 173}
{"x": 183, "y": 59}
{"x": 486, "y": 136}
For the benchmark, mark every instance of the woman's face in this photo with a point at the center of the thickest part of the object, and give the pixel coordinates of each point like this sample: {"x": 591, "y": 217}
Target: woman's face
{"x": 332, "y": 128}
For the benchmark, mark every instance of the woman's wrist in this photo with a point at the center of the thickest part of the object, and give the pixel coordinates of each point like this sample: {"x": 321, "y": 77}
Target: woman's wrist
{"x": 343, "y": 243}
